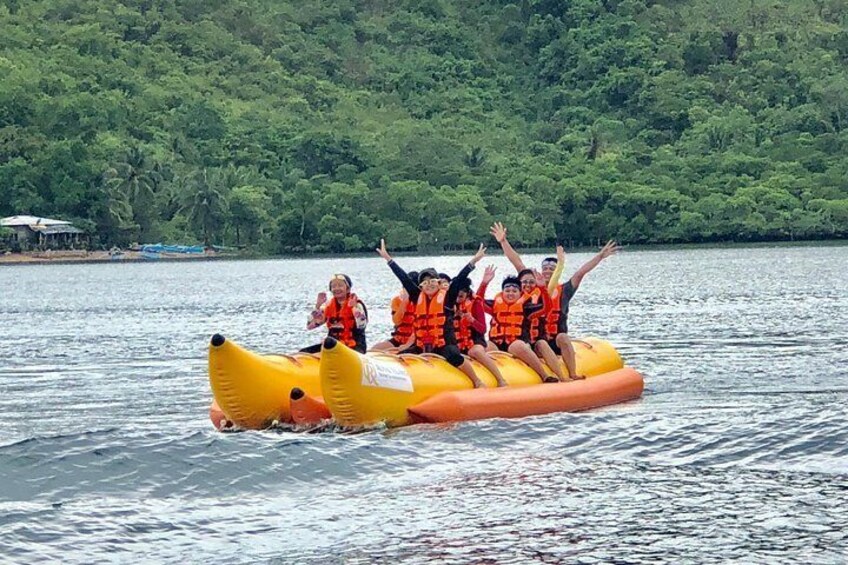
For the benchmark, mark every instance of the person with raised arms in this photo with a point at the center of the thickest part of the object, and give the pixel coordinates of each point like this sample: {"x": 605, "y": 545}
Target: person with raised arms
{"x": 556, "y": 319}
{"x": 435, "y": 310}
{"x": 344, "y": 314}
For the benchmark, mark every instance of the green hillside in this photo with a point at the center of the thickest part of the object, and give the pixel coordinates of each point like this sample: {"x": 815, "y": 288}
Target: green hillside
{"x": 320, "y": 126}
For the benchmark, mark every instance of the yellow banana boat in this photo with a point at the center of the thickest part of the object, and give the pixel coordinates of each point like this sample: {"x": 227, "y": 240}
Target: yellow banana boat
{"x": 254, "y": 390}
{"x": 367, "y": 389}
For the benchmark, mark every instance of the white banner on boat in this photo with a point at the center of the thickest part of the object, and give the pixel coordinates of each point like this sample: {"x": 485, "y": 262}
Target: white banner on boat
{"x": 384, "y": 374}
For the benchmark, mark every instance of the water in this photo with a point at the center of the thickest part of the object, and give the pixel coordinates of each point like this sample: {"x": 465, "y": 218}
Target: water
{"x": 737, "y": 452}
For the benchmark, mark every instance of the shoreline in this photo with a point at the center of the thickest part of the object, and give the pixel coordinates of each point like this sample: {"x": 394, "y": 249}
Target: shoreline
{"x": 69, "y": 257}
{"x": 100, "y": 257}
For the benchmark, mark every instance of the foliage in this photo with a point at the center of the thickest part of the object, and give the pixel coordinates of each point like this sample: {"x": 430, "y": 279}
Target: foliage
{"x": 315, "y": 126}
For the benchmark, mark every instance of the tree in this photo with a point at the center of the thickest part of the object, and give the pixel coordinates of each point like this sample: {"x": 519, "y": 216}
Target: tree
{"x": 132, "y": 184}
{"x": 248, "y": 209}
{"x": 206, "y": 204}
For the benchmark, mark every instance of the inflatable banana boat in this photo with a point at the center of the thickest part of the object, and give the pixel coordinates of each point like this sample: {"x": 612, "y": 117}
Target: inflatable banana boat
{"x": 253, "y": 391}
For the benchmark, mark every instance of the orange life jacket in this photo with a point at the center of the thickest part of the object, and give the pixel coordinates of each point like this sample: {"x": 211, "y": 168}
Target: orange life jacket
{"x": 536, "y": 321}
{"x": 340, "y": 320}
{"x": 430, "y": 321}
{"x": 507, "y": 319}
{"x": 552, "y": 316}
{"x": 407, "y": 324}
{"x": 462, "y": 327}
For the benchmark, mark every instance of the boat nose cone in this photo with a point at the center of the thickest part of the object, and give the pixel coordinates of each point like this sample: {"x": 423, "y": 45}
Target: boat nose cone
{"x": 218, "y": 340}
{"x": 330, "y": 343}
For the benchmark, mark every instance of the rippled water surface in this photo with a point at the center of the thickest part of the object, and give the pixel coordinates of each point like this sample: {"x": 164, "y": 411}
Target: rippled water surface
{"x": 737, "y": 452}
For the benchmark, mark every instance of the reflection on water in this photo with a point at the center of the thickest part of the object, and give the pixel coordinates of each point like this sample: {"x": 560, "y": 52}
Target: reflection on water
{"x": 738, "y": 451}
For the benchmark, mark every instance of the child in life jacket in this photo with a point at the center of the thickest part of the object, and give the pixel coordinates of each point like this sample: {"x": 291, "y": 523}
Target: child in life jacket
{"x": 403, "y": 317}
{"x": 512, "y": 312}
{"x": 344, "y": 314}
{"x": 470, "y": 325}
{"x": 434, "y": 312}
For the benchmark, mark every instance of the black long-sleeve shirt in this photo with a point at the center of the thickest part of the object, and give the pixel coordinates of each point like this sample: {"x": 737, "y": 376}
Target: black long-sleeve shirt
{"x": 414, "y": 292}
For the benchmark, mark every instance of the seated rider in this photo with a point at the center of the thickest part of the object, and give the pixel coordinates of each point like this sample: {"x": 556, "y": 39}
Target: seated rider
{"x": 511, "y": 312}
{"x": 344, "y": 314}
{"x": 403, "y": 316}
{"x": 556, "y": 320}
{"x": 470, "y": 325}
{"x": 434, "y": 312}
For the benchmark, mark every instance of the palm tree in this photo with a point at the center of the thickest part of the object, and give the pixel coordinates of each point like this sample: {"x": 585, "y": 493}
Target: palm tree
{"x": 206, "y": 204}
{"x": 133, "y": 182}
{"x": 134, "y": 177}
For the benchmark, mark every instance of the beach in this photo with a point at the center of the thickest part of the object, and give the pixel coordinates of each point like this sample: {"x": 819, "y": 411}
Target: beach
{"x": 83, "y": 256}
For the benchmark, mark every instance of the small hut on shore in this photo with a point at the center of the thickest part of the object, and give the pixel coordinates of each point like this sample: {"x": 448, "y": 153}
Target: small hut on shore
{"x": 33, "y": 232}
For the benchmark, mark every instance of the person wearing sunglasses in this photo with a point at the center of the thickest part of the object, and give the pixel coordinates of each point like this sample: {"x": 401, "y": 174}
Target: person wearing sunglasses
{"x": 556, "y": 318}
{"x": 512, "y": 311}
{"x": 403, "y": 317}
{"x": 344, "y": 314}
{"x": 435, "y": 310}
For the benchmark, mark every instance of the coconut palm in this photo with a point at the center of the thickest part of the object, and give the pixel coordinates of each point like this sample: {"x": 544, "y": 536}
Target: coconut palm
{"x": 135, "y": 177}
{"x": 205, "y": 203}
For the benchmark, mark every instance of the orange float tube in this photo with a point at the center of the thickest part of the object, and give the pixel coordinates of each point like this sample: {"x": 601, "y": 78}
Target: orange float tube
{"x": 573, "y": 396}
{"x": 219, "y": 419}
{"x": 308, "y": 410}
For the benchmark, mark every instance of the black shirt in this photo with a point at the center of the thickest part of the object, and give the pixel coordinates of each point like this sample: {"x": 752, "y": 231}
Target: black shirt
{"x": 414, "y": 292}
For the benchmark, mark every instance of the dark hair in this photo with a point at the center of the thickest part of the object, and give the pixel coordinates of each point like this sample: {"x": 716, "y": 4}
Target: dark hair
{"x": 523, "y": 272}
{"x": 444, "y": 277}
{"x": 428, "y": 273}
{"x": 513, "y": 280}
{"x": 465, "y": 285}
{"x": 550, "y": 260}
{"x": 346, "y": 278}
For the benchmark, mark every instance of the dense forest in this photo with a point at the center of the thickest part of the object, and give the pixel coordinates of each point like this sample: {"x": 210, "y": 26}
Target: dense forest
{"x": 300, "y": 126}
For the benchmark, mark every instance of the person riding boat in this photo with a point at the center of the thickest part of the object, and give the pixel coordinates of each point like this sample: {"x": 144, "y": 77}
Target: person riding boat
{"x": 511, "y": 312}
{"x": 344, "y": 314}
{"x": 528, "y": 286}
{"x": 556, "y": 320}
{"x": 403, "y": 317}
{"x": 470, "y": 325}
{"x": 434, "y": 311}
